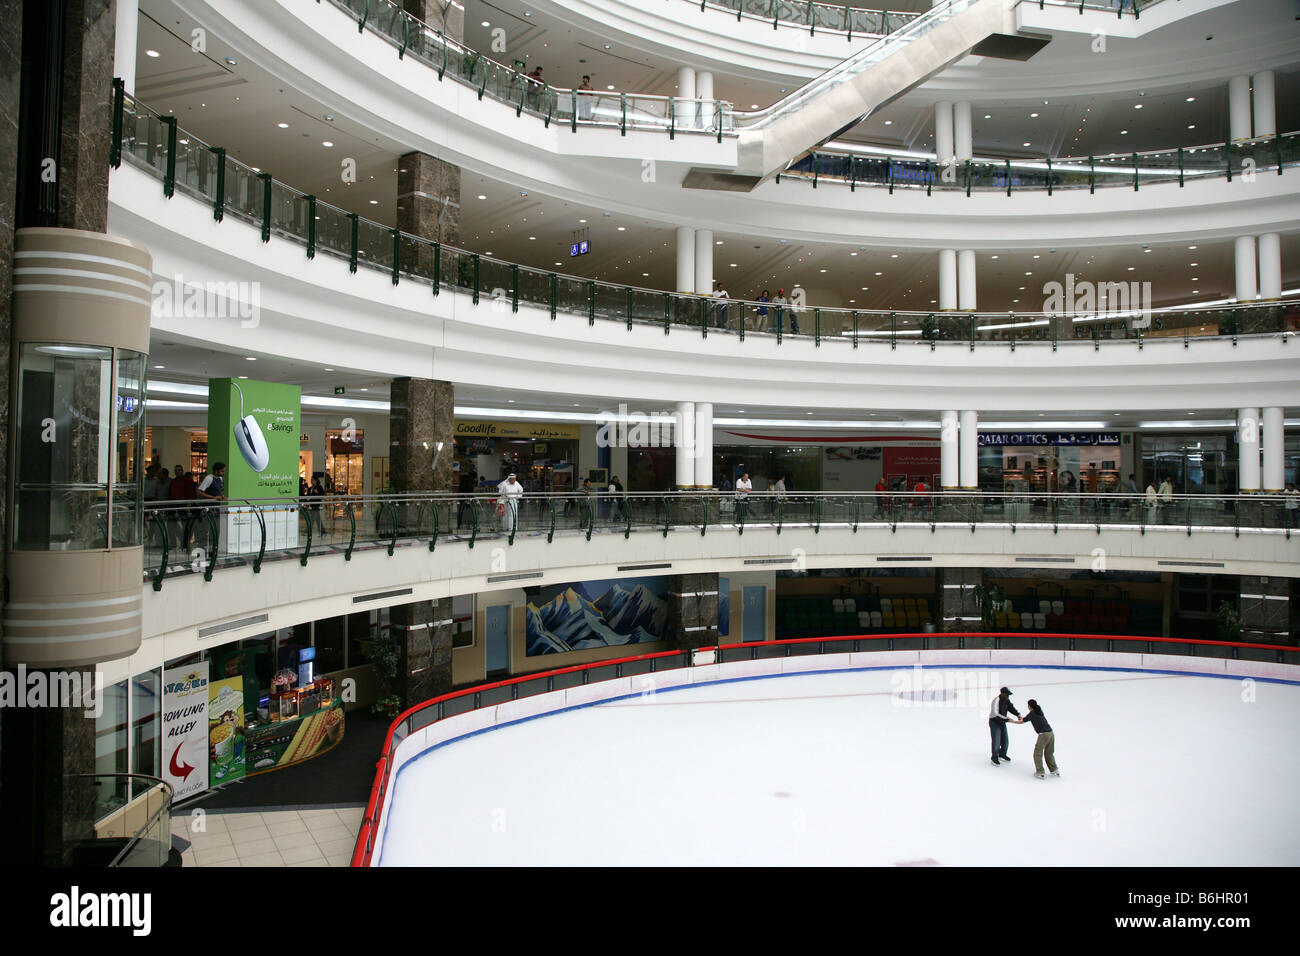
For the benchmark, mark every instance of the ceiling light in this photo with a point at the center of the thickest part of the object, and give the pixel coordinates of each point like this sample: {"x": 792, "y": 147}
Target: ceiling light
{"x": 1191, "y": 247}
{"x": 1033, "y": 116}
{"x": 988, "y": 116}
{"x": 531, "y": 238}
{"x": 153, "y": 53}
{"x": 1137, "y": 106}
{"x": 622, "y": 228}
{"x": 1123, "y": 132}
{"x": 1193, "y": 126}
{"x": 482, "y": 197}
{"x": 582, "y": 220}
{"x": 893, "y": 255}
{"x": 282, "y": 125}
{"x": 327, "y": 144}
{"x": 160, "y": 366}
{"x": 231, "y": 61}
{"x": 249, "y": 358}
{"x": 610, "y": 86}
{"x": 880, "y": 273}
{"x": 329, "y": 117}
{"x": 889, "y": 122}
{"x": 1026, "y": 144}
{"x": 1191, "y": 99}
{"x": 485, "y": 23}
{"x": 329, "y": 370}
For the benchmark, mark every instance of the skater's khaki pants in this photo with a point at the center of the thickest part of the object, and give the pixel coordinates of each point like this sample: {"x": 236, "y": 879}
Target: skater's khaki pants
{"x": 1045, "y": 747}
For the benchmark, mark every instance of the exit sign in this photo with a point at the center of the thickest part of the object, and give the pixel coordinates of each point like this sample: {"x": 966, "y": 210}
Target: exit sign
{"x": 338, "y": 389}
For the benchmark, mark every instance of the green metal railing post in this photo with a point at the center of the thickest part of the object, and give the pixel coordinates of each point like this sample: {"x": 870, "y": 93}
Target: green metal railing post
{"x": 474, "y": 513}
{"x": 968, "y": 178}
{"x": 627, "y": 309}
{"x": 365, "y": 15}
{"x": 306, "y": 551}
{"x": 1008, "y": 175}
{"x": 1049, "y": 175}
{"x": 161, "y": 525}
{"x": 119, "y": 119}
{"x": 442, "y": 41}
{"x": 622, "y": 122}
{"x": 591, "y": 303}
{"x": 311, "y": 226}
{"x": 476, "y": 261}
{"x": 1227, "y": 155}
{"x": 1092, "y": 175}
{"x": 261, "y": 546}
{"x": 668, "y": 514}
{"x": 1135, "y": 172}
{"x": 573, "y": 120}
{"x": 351, "y": 512}
{"x": 893, "y": 331}
{"x": 704, "y": 318}
{"x": 672, "y": 112}
{"x": 219, "y": 201}
{"x": 266, "y": 205}
{"x": 667, "y": 313}
{"x": 971, "y": 331}
{"x": 1180, "y": 168}
{"x": 855, "y": 328}
{"x": 352, "y": 255}
{"x": 554, "y": 284}
{"x": 169, "y": 177}
{"x": 889, "y": 168}
{"x": 437, "y": 268}
{"x": 397, "y": 254}
{"x": 433, "y": 542}
{"x": 406, "y": 36}
{"x": 514, "y": 287}
{"x": 817, "y": 328}
{"x": 1011, "y": 321}
{"x": 550, "y": 535}
{"x": 1277, "y": 148}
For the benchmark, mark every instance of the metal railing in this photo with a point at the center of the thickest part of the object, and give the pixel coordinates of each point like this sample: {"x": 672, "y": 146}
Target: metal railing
{"x": 184, "y": 163}
{"x": 110, "y": 793}
{"x": 202, "y": 537}
{"x": 453, "y": 60}
{"x": 1242, "y": 160}
{"x": 490, "y": 694}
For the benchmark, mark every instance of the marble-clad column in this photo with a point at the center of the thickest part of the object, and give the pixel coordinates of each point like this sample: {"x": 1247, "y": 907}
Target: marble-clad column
{"x": 692, "y": 610}
{"x": 424, "y": 633}
{"x": 86, "y": 120}
{"x": 422, "y": 415}
{"x": 428, "y": 198}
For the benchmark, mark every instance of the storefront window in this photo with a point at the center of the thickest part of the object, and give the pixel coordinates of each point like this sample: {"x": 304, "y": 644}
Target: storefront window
{"x": 127, "y": 481}
{"x": 1082, "y": 469}
{"x": 329, "y": 640}
{"x": 1195, "y": 465}
{"x": 801, "y": 465}
{"x": 345, "y": 460}
{"x": 146, "y": 721}
{"x": 359, "y": 629}
{"x": 111, "y": 731}
{"x": 541, "y": 466}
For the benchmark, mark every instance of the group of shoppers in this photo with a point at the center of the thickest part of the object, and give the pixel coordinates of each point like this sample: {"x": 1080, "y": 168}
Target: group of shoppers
{"x": 770, "y": 312}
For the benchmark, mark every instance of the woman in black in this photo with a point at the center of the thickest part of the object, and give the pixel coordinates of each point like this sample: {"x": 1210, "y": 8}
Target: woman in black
{"x": 317, "y": 490}
{"x": 1045, "y": 747}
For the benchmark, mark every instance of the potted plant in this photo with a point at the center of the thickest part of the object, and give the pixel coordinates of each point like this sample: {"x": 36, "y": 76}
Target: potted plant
{"x": 1229, "y": 622}
{"x": 384, "y": 652}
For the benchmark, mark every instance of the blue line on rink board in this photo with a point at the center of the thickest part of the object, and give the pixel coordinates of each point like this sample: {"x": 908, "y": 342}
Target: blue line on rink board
{"x": 833, "y": 670}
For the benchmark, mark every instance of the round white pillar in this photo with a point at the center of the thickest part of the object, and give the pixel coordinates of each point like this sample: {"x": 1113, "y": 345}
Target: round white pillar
{"x": 685, "y": 259}
{"x": 1274, "y": 455}
{"x": 969, "y": 454}
{"x": 1270, "y": 266}
{"x": 947, "y": 280}
{"x": 1239, "y": 108}
{"x": 703, "y": 444}
{"x": 704, "y": 262}
{"x": 1265, "y": 108}
{"x": 684, "y": 442}
{"x": 685, "y": 111}
{"x": 1248, "y": 449}
{"x": 966, "y": 280}
{"x": 963, "y": 144}
{"x": 948, "y": 477}
{"x": 124, "y": 42}
{"x": 943, "y": 146}
{"x": 1245, "y": 256}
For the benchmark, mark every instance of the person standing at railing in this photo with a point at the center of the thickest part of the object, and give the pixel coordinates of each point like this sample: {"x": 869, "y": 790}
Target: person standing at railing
{"x": 1151, "y": 502}
{"x": 779, "y": 498}
{"x": 180, "y": 489}
{"x": 780, "y": 304}
{"x": 1131, "y": 488}
{"x": 317, "y": 491}
{"x": 617, "y": 500}
{"x": 586, "y": 99}
{"x": 536, "y": 84}
{"x": 1292, "y": 504}
{"x": 1166, "y": 500}
{"x": 797, "y": 299}
{"x": 761, "y": 325}
{"x": 508, "y": 504}
{"x": 722, "y": 295}
{"x": 743, "y": 487}
{"x": 882, "y": 498}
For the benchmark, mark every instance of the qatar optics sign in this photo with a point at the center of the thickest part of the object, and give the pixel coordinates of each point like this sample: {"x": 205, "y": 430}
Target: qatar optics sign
{"x": 185, "y": 729}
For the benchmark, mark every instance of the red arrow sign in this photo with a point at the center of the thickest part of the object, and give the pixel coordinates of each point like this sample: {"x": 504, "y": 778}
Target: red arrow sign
{"x": 182, "y": 770}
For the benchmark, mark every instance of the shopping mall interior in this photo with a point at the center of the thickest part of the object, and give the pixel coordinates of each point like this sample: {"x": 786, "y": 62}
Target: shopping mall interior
{"x": 416, "y": 358}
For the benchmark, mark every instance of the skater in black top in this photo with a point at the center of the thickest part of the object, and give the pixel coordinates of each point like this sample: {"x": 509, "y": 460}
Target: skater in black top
{"x": 998, "y": 723}
{"x": 1045, "y": 747}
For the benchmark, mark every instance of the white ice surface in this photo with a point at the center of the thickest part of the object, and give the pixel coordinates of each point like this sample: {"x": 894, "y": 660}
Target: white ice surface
{"x": 834, "y": 769}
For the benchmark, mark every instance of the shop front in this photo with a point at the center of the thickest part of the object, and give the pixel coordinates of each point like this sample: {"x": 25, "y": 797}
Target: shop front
{"x": 1054, "y": 462}
{"x": 543, "y": 457}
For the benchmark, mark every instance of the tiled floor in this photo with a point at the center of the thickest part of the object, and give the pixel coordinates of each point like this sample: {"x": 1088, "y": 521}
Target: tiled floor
{"x": 316, "y": 837}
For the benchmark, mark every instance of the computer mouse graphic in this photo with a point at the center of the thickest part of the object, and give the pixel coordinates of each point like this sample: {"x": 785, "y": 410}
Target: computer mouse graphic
{"x": 249, "y": 438}
{"x": 252, "y": 443}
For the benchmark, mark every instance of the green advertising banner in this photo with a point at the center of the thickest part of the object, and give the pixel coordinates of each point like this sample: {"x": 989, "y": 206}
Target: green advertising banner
{"x": 254, "y": 428}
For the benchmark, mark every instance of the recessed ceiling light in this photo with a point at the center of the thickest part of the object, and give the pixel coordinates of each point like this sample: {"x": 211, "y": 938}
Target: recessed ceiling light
{"x": 823, "y": 270}
{"x": 160, "y": 366}
{"x": 992, "y": 257}
{"x": 1026, "y": 144}
{"x": 329, "y": 117}
{"x": 889, "y": 122}
{"x": 1137, "y": 106}
{"x": 249, "y": 358}
{"x": 231, "y": 61}
{"x": 893, "y": 255}
{"x": 1028, "y": 273}
{"x": 531, "y": 238}
{"x": 880, "y": 273}
{"x": 243, "y": 376}
{"x": 485, "y": 23}
{"x": 1033, "y": 116}
{"x": 622, "y": 228}
{"x": 1035, "y": 255}
{"x": 1191, "y": 247}
{"x": 610, "y": 86}
{"x": 329, "y": 370}
{"x": 1131, "y": 268}
{"x": 988, "y": 116}
{"x": 1123, "y": 132}
{"x": 1193, "y": 263}
{"x": 153, "y": 53}
{"x": 1193, "y": 126}
{"x": 853, "y": 253}
{"x": 1191, "y": 99}
{"x": 282, "y": 125}
{"x": 482, "y": 197}
{"x": 582, "y": 220}
{"x": 327, "y": 144}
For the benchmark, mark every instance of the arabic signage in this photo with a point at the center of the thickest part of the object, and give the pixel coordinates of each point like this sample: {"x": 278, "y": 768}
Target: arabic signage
{"x": 185, "y": 729}
{"x": 534, "y": 430}
{"x": 1031, "y": 439}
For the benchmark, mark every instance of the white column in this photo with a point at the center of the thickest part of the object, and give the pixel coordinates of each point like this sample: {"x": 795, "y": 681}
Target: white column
{"x": 948, "y": 450}
{"x": 1248, "y": 449}
{"x": 703, "y": 444}
{"x": 947, "y": 280}
{"x": 685, "y": 96}
{"x": 963, "y": 142}
{"x": 684, "y": 442}
{"x": 124, "y": 42}
{"x": 704, "y": 261}
{"x": 1245, "y": 255}
{"x": 968, "y": 470}
{"x": 966, "y": 280}
{"x": 1265, "y": 108}
{"x": 685, "y": 259}
{"x": 943, "y": 152}
{"x": 1239, "y": 108}
{"x": 704, "y": 91}
{"x": 1274, "y": 457}
{"x": 1270, "y": 266}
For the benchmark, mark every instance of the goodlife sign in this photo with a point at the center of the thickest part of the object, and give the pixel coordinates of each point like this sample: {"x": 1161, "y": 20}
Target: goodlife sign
{"x": 185, "y": 729}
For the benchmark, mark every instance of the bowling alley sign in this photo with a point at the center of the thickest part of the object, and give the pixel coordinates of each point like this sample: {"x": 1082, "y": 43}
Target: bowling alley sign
{"x": 185, "y": 729}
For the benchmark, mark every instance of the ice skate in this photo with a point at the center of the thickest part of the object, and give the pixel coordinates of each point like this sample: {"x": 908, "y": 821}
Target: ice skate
{"x": 1040, "y": 775}
{"x": 1056, "y": 773}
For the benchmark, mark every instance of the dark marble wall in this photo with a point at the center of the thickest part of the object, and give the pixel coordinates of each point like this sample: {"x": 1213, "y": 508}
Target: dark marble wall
{"x": 958, "y": 609}
{"x": 1266, "y": 609}
{"x": 423, "y": 414}
{"x": 86, "y": 125}
{"x": 423, "y": 181}
{"x": 692, "y": 610}
{"x": 440, "y": 15}
{"x": 425, "y": 631}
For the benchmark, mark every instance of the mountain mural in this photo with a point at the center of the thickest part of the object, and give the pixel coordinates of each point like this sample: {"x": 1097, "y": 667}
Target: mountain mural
{"x": 596, "y": 614}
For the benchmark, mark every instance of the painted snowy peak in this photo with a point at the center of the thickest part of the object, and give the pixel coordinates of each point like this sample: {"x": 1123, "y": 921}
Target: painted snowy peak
{"x": 571, "y": 622}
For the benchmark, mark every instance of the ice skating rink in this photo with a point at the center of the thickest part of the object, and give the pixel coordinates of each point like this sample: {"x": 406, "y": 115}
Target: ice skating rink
{"x": 886, "y": 767}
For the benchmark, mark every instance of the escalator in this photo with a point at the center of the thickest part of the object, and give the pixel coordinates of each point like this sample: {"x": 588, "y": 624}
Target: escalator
{"x": 851, "y": 91}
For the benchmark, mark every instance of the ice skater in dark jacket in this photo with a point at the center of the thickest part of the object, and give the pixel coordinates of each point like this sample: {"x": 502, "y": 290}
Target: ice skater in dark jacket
{"x": 998, "y": 723}
{"x": 1045, "y": 747}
